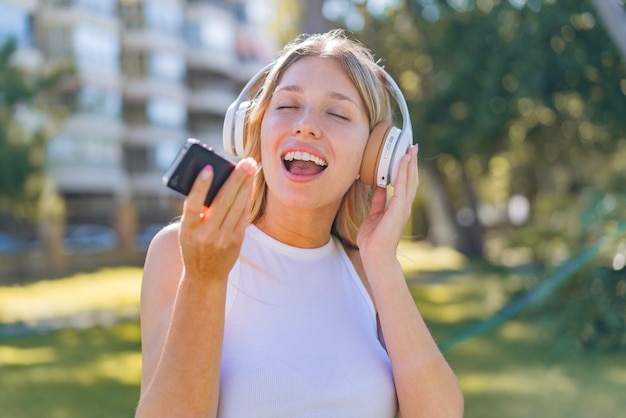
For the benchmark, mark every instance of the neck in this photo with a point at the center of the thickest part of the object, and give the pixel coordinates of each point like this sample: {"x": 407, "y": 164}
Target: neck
{"x": 303, "y": 228}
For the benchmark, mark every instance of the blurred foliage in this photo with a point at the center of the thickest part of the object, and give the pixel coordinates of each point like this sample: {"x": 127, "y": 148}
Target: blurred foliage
{"x": 535, "y": 93}
{"x": 26, "y": 122}
{"x": 520, "y": 99}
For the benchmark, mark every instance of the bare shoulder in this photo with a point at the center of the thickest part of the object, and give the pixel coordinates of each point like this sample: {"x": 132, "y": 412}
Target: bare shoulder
{"x": 163, "y": 265}
{"x": 165, "y": 242}
{"x": 161, "y": 275}
{"x": 164, "y": 251}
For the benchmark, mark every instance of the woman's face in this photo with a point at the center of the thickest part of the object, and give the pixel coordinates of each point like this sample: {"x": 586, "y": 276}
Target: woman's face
{"x": 313, "y": 135}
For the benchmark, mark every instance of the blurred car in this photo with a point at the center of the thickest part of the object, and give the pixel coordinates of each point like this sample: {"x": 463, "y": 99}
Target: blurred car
{"x": 145, "y": 235}
{"x": 90, "y": 238}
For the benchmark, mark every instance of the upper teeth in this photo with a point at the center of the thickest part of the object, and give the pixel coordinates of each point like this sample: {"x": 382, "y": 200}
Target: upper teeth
{"x": 304, "y": 156}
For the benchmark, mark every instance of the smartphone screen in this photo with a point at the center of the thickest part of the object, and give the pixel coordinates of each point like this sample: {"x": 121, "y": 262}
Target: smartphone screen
{"x": 191, "y": 159}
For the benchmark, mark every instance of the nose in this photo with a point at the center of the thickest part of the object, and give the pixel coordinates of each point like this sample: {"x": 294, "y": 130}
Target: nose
{"x": 307, "y": 125}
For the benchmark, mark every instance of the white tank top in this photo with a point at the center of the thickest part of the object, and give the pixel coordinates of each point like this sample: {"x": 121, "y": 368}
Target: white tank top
{"x": 300, "y": 336}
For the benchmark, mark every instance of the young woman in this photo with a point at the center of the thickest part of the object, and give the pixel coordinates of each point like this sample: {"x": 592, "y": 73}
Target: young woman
{"x": 284, "y": 297}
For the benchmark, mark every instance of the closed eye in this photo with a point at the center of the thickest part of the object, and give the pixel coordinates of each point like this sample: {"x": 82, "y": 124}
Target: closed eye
{"x": 339, "y": 116}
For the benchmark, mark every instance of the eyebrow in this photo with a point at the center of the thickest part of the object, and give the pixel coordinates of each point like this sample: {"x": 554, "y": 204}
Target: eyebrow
{"x": 333, "y": 94}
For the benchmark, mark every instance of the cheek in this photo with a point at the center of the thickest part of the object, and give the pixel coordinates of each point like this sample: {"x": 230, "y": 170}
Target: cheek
{"x": 270, "y": 128}
{"x": 267, "y": 145}
{"x": 355, "y": 149}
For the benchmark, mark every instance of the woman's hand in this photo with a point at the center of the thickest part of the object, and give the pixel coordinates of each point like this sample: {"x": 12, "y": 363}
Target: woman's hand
{"x": 381, "y": 231}
{"x": 210, "y": 237}
{"x": 414, "y": 355}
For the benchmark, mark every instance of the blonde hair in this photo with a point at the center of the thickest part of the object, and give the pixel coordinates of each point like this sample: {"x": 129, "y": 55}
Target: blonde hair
{"x": 358, "y": 63}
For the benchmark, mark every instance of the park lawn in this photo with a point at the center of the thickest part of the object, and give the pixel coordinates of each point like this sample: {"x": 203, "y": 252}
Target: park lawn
{"x": 524, "y": 367}
{"x": 71, "y": 373}
{"x": 520, "y": 368}
{"x": 518, "y": 371}
{"x": 77, "y": 299}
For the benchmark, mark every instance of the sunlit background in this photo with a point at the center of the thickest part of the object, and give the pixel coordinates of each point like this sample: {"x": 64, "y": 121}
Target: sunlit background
{"x": 516, "y": 251}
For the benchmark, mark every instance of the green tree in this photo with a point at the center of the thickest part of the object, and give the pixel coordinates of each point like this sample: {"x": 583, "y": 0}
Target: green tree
{"x": 506, "y": 98}
{"x": 24, "y": 128}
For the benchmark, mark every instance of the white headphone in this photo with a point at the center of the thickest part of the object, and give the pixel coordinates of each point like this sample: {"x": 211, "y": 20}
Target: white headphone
{"x": 385, "y": 145}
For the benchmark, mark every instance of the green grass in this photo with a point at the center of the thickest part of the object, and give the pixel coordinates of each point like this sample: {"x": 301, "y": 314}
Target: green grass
{"x": 112, "y": 290}
{"x": 70, "y": 373}
{"x": 517, "y": 371}
{"x": 524, "y": 367}
{"x": 521, "y": 368}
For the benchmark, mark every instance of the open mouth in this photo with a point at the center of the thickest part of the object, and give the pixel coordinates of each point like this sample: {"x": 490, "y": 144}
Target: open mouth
{"x": 303, "y": 163}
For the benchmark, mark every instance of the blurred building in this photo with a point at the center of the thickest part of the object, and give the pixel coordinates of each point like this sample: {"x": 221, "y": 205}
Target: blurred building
{"x": 148, "y": 75}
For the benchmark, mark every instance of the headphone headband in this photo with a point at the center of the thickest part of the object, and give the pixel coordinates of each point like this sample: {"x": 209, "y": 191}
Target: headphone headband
{"x": 233, "y": 141}
{"x": 385, "y": 147}
{"x": 396, "y": 93}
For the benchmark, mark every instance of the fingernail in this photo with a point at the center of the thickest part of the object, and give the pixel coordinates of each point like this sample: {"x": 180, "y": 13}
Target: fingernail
{"x": 206, "y": 171}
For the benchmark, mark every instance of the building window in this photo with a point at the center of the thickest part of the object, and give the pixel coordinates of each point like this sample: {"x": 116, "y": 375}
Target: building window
{"x": 167, "y": 66}
{"x": 165, "y": 153}
{"x": 156, "y": 111}
{"x": 96, "y": 100}
{"x": 15, "y": 23}
{"x": 57, "y": 42}
{"x": 97, "y": 50}
{"x": 166, "y": 112}
{"x": 133, "y": 64}
{"x": 160, "y": 65}
{"x": 132, "y": 14}
{"x": 216, "y": 35}
{"x": 137, "y": 159}
{"x": 101, "y": 7}
{"x": 164, "y": 17}
{"x": 135, "y": 113}
{"x": 145, "y": 159}
{"x": 83, "y": 149}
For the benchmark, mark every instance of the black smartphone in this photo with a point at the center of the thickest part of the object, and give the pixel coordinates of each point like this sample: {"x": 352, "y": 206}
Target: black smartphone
{"x": 191, "y": 159}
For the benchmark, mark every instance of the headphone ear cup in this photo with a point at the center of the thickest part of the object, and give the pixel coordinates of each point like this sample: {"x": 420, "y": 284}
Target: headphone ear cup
{"x": 234, "y": 131}
{"x": 241, "y": 126}
{"x": 372, "y": 154}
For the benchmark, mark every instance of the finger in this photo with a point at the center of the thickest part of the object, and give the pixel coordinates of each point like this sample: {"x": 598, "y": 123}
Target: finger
{"x": 235, "y": 218}
{"x": 225, "y": 198}
{"x": 379, "y": 200}
{"x": 406, "y": 185}
{"x": 413, "y": 172}
{"x": 411, "y": 167}
{"x": 193, "y": 205}
{"x": 404, "y": 189}
{"x": 244, "y": 221}
{"x": 402, "y": 177}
